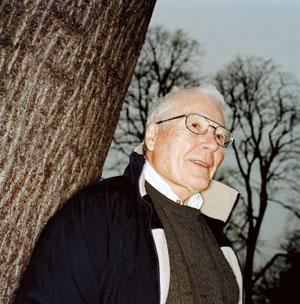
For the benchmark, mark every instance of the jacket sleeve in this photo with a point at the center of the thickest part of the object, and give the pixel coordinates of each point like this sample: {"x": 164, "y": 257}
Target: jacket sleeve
{"x": 70, "y": 256}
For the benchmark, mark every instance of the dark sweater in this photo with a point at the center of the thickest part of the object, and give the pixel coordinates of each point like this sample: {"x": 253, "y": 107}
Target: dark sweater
{"x": 199, "y": 270}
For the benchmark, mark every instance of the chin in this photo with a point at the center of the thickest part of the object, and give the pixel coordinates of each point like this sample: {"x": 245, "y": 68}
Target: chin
{"x": 200, "y": 186}
{"x": 204, "y": 187}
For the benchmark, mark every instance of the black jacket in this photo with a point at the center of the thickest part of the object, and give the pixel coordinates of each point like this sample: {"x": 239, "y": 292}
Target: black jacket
{"x": 98, "y": 248}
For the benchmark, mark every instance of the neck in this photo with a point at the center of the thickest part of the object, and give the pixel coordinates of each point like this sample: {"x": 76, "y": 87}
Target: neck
{"x": 184, "y": 195}
{"x": 181, "y": 192}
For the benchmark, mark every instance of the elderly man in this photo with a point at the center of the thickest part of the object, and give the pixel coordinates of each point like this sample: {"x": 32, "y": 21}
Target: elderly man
{"x": 140, "y": 238}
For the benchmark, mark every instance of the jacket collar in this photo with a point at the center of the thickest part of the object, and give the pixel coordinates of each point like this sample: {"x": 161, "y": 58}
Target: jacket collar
{"x": 218, "y": 199}
{"x": 134, "y": 169}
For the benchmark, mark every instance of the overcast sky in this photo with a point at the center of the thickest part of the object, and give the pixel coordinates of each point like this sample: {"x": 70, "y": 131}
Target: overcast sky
{"x": 225, "y": 28}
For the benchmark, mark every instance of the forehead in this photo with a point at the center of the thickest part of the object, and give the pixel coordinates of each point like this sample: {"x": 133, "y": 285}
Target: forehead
{"x": 194, "y": 102}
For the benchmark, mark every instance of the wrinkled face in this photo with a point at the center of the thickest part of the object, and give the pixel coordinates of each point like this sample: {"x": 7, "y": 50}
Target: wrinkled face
{"x": 186, "y": 161}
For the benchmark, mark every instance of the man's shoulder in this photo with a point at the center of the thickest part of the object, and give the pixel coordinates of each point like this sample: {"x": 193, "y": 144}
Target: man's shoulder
{"x": 105, "y": 188}
{"x": 99, "y": 199}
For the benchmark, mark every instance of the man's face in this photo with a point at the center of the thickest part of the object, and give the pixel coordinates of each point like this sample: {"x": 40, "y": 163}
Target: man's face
{"x": 186, "y": 161}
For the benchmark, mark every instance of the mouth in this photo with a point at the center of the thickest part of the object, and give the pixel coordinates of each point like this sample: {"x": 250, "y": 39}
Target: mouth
{"x": 201, "y": 163}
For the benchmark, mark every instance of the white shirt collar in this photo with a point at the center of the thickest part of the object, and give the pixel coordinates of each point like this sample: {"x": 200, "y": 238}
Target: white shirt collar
{"x": 156, "y": 181}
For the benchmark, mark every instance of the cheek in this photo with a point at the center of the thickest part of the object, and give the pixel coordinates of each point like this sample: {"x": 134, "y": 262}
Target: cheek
{"x": 171, "y": 141}
{"x": 174, "y": 153}
{"x": 218, "y": 158}
{"x": 163, "y": 150}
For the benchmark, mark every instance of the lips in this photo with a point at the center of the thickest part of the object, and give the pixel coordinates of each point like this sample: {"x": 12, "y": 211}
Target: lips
{"x": 201, "y": 163}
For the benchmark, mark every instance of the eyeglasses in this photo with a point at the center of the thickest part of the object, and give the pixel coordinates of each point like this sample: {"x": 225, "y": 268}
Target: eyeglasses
{"x": 199, "y": 124}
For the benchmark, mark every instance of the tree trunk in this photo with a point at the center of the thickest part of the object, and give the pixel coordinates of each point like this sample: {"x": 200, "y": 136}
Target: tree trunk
{"x": 248, "y": 270}
{"x": 65, "y": 67}
{"x": 252, "y": 245}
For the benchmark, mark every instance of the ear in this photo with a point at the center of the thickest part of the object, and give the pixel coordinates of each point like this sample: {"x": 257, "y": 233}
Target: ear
{"x": 150, "y": 136}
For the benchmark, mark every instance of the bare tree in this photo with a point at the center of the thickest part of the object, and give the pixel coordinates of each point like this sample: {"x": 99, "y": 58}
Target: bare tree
{"x": 64, "y": 70}
{"x": 264, "y": 114}
{"x": 168, "y": 59}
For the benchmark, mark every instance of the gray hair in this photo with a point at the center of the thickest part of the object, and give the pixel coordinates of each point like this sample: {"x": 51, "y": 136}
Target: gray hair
{"x": 163, "y": 104}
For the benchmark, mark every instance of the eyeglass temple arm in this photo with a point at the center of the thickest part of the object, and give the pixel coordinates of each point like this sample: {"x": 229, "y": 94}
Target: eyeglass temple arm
{"x": 161, "y": 121}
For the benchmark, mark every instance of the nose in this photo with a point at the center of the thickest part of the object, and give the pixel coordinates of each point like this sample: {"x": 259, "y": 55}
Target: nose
{"x": 208, "y": 140}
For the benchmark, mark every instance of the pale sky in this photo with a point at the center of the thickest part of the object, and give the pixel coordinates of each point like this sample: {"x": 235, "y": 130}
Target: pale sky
{"x": 225, "y": 28}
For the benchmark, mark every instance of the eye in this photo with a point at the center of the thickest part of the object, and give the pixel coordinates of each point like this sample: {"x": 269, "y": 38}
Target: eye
{"x": 196, "y": 125}
{"x": 221, "y": 137}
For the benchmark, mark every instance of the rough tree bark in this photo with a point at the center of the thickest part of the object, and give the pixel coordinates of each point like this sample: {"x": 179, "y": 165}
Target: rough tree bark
{"x": 65, "y": 67}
